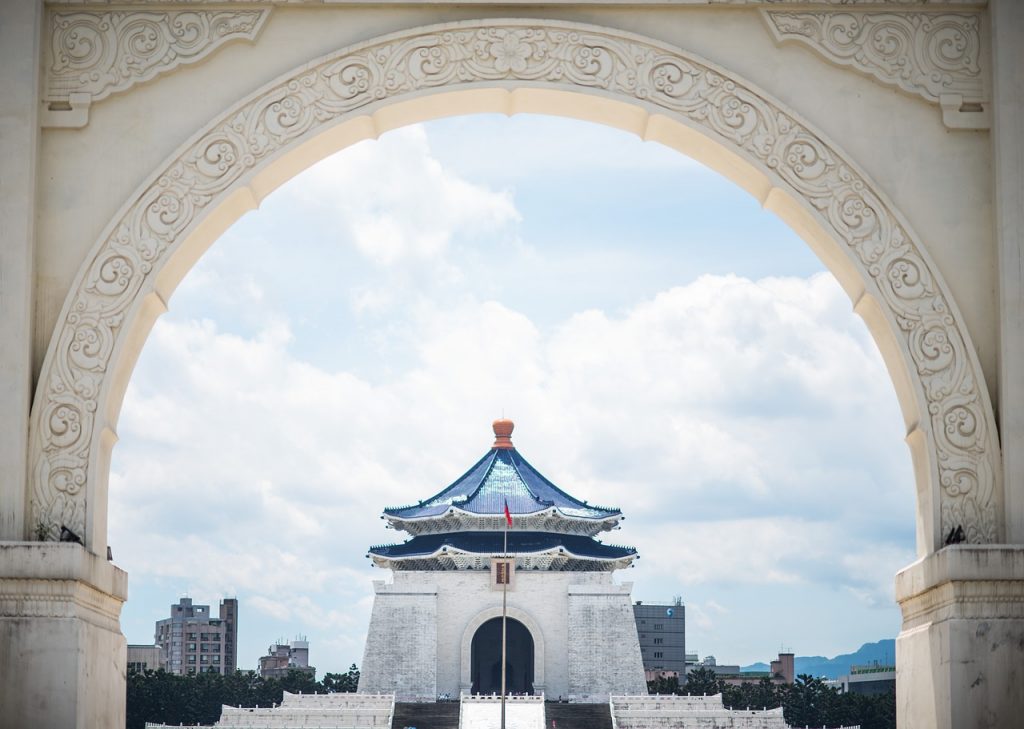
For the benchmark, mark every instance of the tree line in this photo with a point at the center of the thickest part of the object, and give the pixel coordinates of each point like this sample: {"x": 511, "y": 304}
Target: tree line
{"x": 806, "y": 702}
{"x": 166, "y": 698}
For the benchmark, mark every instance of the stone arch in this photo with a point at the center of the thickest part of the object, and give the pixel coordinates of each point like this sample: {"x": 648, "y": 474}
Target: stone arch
{"x": 465, "y": 677}
{"x": 548, "y": 66}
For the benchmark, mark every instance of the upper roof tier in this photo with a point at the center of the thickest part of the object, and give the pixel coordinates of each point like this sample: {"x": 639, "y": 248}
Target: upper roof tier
{"x": 501, "y": 476}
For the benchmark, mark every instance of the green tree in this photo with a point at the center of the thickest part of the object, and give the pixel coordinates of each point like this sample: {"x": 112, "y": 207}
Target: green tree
{"x": 702, "y": 681}
{"x": 161, "y": 697}
{"x": 341, "y": 682}
{"x": 664, "y": 685}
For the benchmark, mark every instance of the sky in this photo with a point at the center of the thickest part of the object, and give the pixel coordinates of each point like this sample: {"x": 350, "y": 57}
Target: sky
{"x": 662, "y": 343}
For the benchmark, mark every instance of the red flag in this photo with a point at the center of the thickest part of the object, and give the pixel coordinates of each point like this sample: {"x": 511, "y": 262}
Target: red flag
{"x": 508, "y": 514}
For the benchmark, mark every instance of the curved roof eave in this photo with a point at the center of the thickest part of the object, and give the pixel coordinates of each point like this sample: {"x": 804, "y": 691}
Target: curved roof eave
{"x": 449, "y": 550}
{"x": 616, "y": 514}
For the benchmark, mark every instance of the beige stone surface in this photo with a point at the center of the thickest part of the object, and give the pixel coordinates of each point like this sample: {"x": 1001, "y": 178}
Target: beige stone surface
{"x": 909, "y": 187}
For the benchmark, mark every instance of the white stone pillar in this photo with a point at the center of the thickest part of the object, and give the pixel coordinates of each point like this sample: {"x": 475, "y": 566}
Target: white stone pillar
{"x": 1007, "y": 18}
{"x": 62, "y": 655}
{"x": 20, "y": 28}
{"x": 604, "y": 648}
{"x": 401, "y": 643}
{"x": 960, "y": 654}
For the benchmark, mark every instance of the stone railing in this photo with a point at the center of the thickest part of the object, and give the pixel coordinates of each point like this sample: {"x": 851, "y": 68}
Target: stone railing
{"x": 311, "y": 711}
{"x": 669, "y": 712}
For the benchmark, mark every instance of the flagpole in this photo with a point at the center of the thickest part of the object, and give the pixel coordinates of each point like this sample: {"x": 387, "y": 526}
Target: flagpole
{"x": 504, "y": 614}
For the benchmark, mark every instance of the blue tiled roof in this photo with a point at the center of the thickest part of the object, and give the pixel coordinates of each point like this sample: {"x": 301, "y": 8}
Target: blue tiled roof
{"x": 502, "y": 475}
{"x": 492, "y": 543}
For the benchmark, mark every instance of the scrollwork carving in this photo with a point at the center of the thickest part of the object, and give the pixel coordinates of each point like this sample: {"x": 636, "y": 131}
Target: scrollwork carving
{"x": 94, "y": 54}
{"x": 959, "y": 423}
{"x": 934, "y": 55}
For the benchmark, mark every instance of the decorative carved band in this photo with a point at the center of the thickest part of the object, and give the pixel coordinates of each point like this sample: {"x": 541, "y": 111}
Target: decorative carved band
{"x": 936, "y": 56}
{"x": 957, "y": 418}
{"x": 48, "y": 598}
{"x": 965, "y": 599}
{"x": 94, "y": 54}
{"x": 315, "y": 3}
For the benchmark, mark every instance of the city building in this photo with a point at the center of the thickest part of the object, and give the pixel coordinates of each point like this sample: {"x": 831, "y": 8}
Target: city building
{"x": 283, "y": 658}
{"x": 661, "y": 629}
{"x": 435, "y": 628}
{"x": 146, "y": 658}
{"x": 781, "y": 670}
{"x": 873, "y": 679}
{"x": 193, "y": 640}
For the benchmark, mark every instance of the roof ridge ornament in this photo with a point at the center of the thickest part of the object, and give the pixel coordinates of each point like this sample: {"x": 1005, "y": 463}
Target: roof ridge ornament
{"x": 503, "y": 428}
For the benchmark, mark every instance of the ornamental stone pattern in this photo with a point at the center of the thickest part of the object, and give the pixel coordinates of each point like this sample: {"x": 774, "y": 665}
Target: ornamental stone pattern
{"x": 925, "y": 54}
{"x": 958, "y": 421}
{"x": 101, "y": 53}
{"x": 976, "y": 3}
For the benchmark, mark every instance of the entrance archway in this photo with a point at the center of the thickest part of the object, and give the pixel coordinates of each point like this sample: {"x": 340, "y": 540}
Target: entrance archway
{"x": 485, "y": 666}
{"x": 599, "y": 74}
{"x": 553, "y": 67}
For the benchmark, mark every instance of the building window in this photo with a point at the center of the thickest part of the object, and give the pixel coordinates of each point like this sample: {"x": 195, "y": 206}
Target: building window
{"x": 191, "y": 646}
{"x": 659, "y": 626}
{"x": 191, "y": 659}
{"x": 658, "y": 654}
{"x": 659, "y": 641}
{"x": 216, "y": 659}
{"x": 204, "y": 659}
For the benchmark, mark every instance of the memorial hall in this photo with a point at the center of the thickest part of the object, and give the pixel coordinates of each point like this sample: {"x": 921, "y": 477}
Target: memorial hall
{"x": 435, "y": 629}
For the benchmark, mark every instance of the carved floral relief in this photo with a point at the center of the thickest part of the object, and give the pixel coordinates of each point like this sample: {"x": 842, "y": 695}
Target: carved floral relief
{"x": 958, "y": 421}
{"x": 934, "y": 55}
{"x": 101, "y": 53}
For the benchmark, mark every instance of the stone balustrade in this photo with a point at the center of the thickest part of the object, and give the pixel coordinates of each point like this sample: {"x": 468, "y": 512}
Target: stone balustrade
{"x": 310, "y": 711}
{"x": 684, "y": 712}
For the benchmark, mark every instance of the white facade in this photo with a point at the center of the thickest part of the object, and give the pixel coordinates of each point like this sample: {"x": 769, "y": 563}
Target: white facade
{"x": 422, "y": 627}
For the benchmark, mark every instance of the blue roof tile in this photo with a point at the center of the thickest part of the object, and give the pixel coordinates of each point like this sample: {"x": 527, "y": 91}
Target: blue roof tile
{"x": 502, "y": 475}
{"x": 492, "y": 543}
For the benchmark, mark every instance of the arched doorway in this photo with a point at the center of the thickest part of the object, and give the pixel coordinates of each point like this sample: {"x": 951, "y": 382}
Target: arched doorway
{"x": 485, "y": 665}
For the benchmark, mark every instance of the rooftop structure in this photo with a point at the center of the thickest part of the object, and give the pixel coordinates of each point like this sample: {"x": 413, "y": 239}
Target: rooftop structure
{"x": 462, "y": 526}
{"x": 282, "y": 658}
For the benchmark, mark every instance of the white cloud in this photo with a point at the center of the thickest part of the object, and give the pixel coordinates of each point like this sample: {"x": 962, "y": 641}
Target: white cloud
{"x": 747, "y": 428}
{"x": 669, "y": 411}
{"x": 396, "y": 202}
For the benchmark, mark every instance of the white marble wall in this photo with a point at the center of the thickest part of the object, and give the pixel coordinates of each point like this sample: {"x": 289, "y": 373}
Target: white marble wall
{"x": 604, "y": 651}
{"x": 401, "y": 644}
{"x": 548, "y": 603}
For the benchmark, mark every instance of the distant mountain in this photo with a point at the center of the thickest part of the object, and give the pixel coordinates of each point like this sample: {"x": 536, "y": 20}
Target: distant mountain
{"x": 884, "y": 651}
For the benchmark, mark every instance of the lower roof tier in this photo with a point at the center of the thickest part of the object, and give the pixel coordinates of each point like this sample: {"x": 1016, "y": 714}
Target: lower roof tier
{"x": 473, "y": 550}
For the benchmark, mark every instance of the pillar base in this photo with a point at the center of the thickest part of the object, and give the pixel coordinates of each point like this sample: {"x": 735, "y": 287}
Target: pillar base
{"x": 960, "y": 654}
{"x": 62, "y": 654}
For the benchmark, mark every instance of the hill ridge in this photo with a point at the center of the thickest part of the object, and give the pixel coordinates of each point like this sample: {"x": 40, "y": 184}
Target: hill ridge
{"x": 883, "y": 651}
